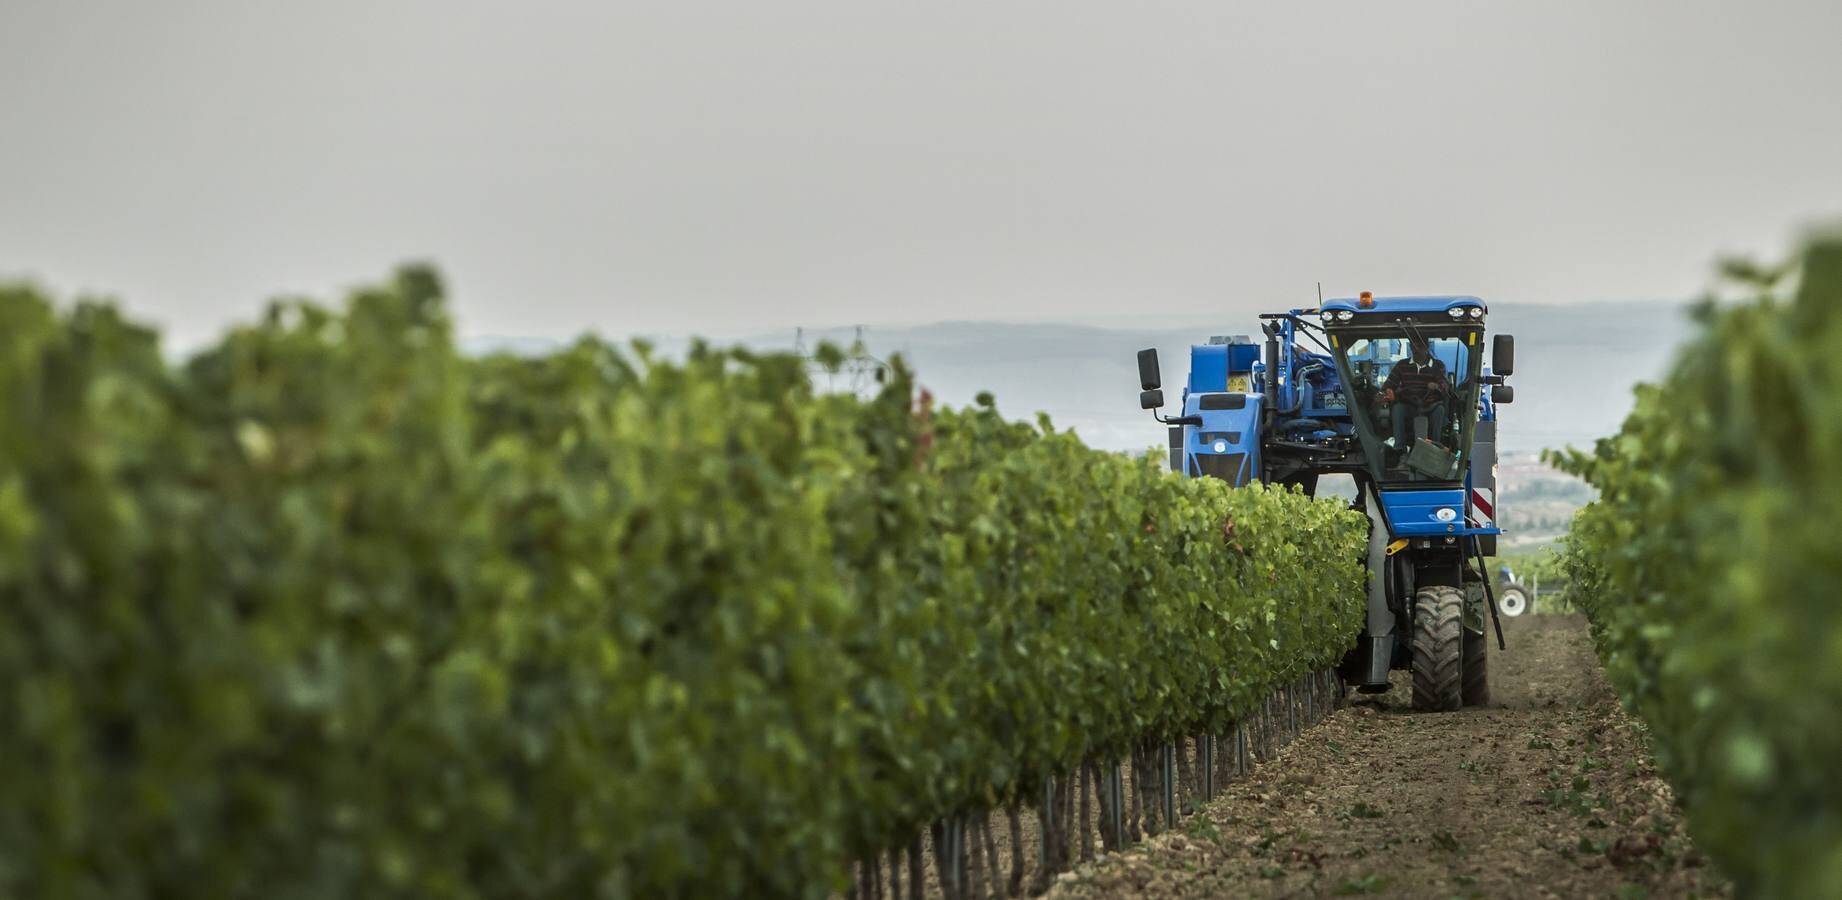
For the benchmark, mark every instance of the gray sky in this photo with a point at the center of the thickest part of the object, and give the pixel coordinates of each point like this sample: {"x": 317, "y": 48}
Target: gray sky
{"x": 718, "y": 167}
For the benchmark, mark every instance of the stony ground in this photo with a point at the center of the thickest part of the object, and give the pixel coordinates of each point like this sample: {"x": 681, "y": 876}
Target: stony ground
{"x": 1547, "y": 792}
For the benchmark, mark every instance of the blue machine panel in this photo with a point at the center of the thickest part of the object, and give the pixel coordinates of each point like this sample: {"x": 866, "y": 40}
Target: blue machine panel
{"x": 1227, "y": 444}
{"x": 1213, "y": 366}
{"x": 1241, "y": 358}
{"x": 1418, "y": 513}
{"x": 1208, "y": 368}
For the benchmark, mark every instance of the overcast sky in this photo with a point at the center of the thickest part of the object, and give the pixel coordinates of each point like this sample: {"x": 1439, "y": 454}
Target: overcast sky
{"x": 716, "y": 167}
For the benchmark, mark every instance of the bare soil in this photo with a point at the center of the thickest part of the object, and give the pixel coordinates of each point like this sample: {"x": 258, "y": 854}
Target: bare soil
{"x": 1547, "y": 792}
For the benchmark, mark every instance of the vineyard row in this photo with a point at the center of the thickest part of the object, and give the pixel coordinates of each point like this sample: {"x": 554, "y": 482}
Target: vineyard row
{"x": 331, "y": 609}
{"x": 1710, "y": 573}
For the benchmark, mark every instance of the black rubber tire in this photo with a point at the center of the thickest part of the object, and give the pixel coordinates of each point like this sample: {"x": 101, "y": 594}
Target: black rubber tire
{"x": 1438, "y": 658}
{"x": 1476, "y": 666}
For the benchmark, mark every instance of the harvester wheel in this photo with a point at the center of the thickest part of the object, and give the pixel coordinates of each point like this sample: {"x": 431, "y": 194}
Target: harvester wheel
{"x": 1438, "y": 635}
{"x": 1476, "y": 668}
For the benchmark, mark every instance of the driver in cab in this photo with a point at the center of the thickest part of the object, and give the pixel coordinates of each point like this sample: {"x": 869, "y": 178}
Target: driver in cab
{"x": 1417, "y": 386}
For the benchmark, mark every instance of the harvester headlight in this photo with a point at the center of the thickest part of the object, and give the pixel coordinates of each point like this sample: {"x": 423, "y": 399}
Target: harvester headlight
{"x": 1456, "y": 312}
{"x": 1220, "y": 446}
{"x": 1344, "y": 315}
{"x": 1328, "y": 316}
{"x": 1477, "y": 312}
{"x": 1445, "y": 514}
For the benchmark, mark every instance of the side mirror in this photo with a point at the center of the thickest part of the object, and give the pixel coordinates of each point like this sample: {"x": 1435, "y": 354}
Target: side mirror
{"x": 1502, "y": 393}
{"x": 1502, "y": 355}
{"x": 1148, "y": 379}
{"x": 1150, "y": 399}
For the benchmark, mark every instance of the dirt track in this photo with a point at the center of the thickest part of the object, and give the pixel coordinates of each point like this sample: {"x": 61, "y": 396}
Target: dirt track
{"x": 1548, "y": 792}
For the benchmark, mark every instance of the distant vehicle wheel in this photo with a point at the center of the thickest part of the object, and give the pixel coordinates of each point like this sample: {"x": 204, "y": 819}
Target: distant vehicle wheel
{"x": 1512, "y": 602}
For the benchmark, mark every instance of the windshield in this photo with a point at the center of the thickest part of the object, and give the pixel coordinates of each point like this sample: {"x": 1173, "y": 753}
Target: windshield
{"x": 1414, "y": 398}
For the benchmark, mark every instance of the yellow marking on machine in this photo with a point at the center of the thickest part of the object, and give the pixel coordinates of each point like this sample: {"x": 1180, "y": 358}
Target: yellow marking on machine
{"x": 1396, "y": 545}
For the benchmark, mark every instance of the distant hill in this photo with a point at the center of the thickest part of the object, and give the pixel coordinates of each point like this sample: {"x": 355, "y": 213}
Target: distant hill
{"x": 1575, "y": 366}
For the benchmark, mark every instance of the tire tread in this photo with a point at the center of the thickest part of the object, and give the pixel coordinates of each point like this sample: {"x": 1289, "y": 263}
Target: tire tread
{"x": 1438, "y": 635}
{"x": 1476, "y": 667}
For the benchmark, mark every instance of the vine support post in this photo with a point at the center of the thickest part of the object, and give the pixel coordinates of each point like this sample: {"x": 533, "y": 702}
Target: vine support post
{"x": 970, "y": 856}
{"x": 1208, "y": 767}
{"x": 1170, "y": 785}
{"x": 962, "y": 856}
{"x": 943, "y": 857}
{"x": 1044, "y": 836}
{"x": 916, "y": 886}
{"x": 1115, "y": 785}
{"x": 949, "y": 869}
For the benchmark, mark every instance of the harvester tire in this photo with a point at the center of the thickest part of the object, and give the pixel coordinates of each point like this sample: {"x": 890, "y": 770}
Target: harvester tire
{"x": 1438, "y": 638}
{"x": 1476, "y": 668}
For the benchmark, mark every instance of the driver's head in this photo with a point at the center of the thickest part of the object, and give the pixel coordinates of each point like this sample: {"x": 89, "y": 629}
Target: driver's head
{"x": 1421, "y": 352}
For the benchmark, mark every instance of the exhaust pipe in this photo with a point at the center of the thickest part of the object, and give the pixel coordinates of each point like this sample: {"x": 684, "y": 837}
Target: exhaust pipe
{"x": 1272, "y": 369}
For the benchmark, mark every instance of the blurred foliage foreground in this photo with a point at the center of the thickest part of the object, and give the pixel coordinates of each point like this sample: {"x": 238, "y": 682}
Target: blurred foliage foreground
{"x": 1714, "y": 582}
{"x": 332, "y": 610}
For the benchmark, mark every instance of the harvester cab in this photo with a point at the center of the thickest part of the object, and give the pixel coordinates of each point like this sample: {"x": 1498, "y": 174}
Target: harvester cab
{"x": 1389, "y": 391}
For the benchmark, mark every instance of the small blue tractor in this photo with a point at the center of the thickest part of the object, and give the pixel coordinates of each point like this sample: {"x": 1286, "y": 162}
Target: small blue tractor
{"x": 1387, "y": 391}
